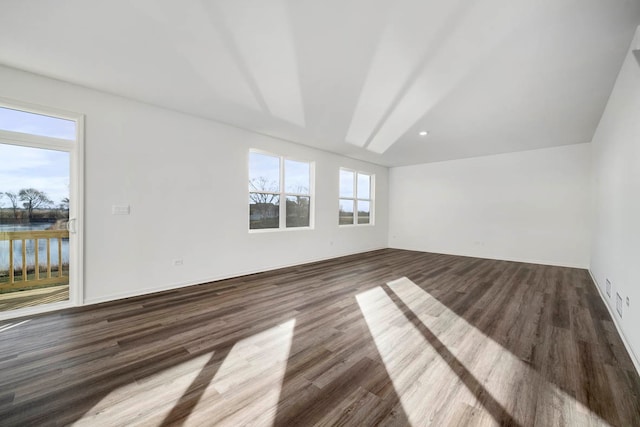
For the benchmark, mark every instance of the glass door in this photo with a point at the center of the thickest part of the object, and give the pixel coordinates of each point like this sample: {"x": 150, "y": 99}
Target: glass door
{"x": 39, "y": 206}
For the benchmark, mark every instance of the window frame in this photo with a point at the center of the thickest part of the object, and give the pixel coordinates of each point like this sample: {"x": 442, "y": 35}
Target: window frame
{"x": 282, "y": 194}
{"x": 355, "y": 199}
{"x": 75, "y": 148}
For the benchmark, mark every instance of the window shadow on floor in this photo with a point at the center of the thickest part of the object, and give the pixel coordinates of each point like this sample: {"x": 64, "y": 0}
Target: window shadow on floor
{"x": 550, "y": 319}
{"x": 495, "y": 409}
{"x": 60, "y": 367}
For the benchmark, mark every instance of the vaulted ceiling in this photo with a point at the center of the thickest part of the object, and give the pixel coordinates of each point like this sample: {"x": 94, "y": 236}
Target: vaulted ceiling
{"x": 357, "y": 77}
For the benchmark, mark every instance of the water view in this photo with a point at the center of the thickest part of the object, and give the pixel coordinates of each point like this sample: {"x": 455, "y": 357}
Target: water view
{"x": 31, "y": 248}
{"x": 34, "y": 209}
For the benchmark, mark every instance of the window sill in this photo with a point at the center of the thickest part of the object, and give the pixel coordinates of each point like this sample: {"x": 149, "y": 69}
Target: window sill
{"x": 276, "y": 230}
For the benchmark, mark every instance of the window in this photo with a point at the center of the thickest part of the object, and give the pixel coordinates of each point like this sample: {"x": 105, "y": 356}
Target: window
{"x": 356, "y": 200}
{"x": 279, "y": 192}
{"x": 37, "y": 124}
{"x": 41, "y": 172}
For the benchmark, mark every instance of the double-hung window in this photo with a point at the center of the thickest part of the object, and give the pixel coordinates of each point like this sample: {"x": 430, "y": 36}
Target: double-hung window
{"x": 356, "y": 198}
{"x": 280, "y": 192}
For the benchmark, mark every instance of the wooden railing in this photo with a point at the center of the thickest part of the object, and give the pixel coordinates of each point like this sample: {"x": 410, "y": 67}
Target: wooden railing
{"x": 38, "y": 278}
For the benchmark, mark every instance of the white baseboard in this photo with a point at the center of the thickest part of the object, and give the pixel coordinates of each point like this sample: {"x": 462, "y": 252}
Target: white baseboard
{"x": 632, "y": 355}
{"x": 177, "y": 285}
{"x": 497, "y": 258}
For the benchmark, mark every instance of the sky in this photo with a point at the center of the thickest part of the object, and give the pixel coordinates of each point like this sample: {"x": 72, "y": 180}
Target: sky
{"x": 347, "y": 184}
{"x": 37, "y": 124}
{"x": 297, "y": 174}
{"x": 25, "y": 167}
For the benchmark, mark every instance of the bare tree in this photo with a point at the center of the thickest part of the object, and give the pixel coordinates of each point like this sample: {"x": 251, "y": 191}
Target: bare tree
{"x": 262, "y": 190}
{"x": 33, "y": 199}
{"x": 63, "y": 209}
{"x": 263, "y": 197}
{"x": 64, "y": 204}
{"x": 13, "y": 198}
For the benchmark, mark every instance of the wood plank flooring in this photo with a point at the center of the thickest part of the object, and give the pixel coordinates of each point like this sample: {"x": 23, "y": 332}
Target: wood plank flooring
{"x": 388, "y": 337}
{"x": 33, "y": 297}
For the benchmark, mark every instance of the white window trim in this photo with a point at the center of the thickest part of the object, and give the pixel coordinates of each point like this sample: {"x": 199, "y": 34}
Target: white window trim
{"x": 282, "y": 226}
{"x": 75, "y": 148}
{"x": 355, "y": 198}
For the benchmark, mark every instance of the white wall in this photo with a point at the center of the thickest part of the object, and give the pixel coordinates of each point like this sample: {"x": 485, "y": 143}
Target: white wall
{"x": 186, "y": 181}
{"x": 615, "y": 252}
{"x": 529, "y": 206}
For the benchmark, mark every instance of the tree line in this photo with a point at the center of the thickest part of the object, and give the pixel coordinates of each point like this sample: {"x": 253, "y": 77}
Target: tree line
{"x": 30, "y": 199}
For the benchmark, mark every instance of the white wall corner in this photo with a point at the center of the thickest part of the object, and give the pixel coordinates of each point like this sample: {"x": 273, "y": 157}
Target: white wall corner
{"x": 632, "y": 355}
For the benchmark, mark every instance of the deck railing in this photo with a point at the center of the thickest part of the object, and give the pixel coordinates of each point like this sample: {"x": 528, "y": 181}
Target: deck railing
{"x": 38, "y": 278}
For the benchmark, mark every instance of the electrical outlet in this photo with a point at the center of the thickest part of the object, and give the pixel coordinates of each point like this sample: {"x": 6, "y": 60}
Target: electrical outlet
{"x": 619, "y": 304}
{"x": 628, "y": 302}
{"x": 608, "y": 288}
{"x": 120, "y": 210}
{"x": 178, "y": 262}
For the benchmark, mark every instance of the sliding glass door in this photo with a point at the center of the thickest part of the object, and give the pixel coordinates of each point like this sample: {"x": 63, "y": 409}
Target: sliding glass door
{"x": 40, "y": 200}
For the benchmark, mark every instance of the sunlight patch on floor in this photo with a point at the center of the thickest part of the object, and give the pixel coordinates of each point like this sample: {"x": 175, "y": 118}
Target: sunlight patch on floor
{"x": 164, "y": 388}
{"x": 248, "y": 382}
{"x": 504, "y": 375}
{"x": 496, "y": 382}
{"x": 413, "y": 365}
{"x": 245, "y": 382}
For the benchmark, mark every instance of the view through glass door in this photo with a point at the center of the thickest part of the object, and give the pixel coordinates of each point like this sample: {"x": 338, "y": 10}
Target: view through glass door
{"x": 39, "y": 181}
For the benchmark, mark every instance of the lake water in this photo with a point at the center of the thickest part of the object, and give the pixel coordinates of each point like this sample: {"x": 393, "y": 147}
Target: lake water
{"x": 30, "y": 246}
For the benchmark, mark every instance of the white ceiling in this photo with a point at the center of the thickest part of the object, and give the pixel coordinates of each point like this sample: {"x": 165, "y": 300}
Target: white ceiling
{"x": 356, "y": 77}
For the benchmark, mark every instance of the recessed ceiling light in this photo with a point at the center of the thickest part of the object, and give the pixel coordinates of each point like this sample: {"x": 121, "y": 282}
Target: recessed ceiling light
{"x": 423, "y": 133}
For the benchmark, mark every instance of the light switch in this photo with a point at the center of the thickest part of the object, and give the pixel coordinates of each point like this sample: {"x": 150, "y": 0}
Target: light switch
{"x": 120, "y": 209}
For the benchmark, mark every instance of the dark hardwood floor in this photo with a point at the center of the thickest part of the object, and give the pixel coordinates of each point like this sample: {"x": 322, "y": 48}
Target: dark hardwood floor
{"x": 388, "y": 337}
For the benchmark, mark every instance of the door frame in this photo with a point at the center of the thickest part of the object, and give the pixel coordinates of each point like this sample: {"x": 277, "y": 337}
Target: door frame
{"x": 76, "y": 195}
